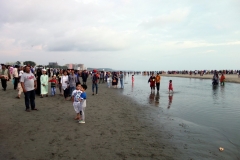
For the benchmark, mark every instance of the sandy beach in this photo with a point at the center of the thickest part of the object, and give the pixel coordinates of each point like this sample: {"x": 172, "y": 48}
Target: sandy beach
{"x": 229, "y": 78}
{"x": 116, "y": 128}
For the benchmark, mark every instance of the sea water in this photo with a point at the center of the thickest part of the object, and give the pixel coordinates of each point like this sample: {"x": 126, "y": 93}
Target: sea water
{"x": 200, "y": 117}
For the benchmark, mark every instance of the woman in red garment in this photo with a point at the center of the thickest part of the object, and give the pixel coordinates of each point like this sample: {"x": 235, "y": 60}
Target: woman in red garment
{"x": 152, "y": 82}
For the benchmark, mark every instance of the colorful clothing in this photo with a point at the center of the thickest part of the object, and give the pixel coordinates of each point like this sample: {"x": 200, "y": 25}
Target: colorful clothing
{"x": 152, "y": 81}
{"x": 53, "y": 82}
{"x": 222, "y": 78}
{"x": 170, "y": 86}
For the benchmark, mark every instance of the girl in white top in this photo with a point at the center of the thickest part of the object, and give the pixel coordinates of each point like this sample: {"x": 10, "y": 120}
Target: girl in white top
{"x": 64, "y": 81}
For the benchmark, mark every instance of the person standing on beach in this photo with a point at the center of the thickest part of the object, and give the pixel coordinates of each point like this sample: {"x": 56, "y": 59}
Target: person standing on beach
{"x": 121, "y": 79}
{"x": 16, "y": 76}
{"x": 29, "y": 85}
{"x": 76, "y": 100}
{"x": 19, "y": 87}
{"x": 84, "y": 76}
{"x": 152, "y": 82}
{"x": 5, "y": 76}
{"x": 83, "y": 102}
{"x": 158, "y": 79}
{"x": 132, "y": 78}
{"x": 72, "y": 81}
{"x": 222, "y": 79}
{"x": 44, "y": 83}
{"x": 53, "y": 85}
{"x": 170, "y": 87}
{"x": 38, "y": 77}
{"x": 60, "y": 74}
{"x": 64, "y": 82}
{"x": 95, "y": 78}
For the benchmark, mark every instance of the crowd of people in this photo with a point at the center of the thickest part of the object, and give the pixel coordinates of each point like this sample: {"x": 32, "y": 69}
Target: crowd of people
{"x": 71, "y": 84}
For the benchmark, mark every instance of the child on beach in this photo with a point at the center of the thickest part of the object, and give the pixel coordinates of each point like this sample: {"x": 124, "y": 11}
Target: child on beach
{"x": 170, "y": 87}
{"x": 53, "y": 85}
{"x": 20, "y": 90}
{"x": 76, "y": 100}
{"x": 19, "y": 87}
{"x": 132, "y": 78}
{"x": 83, "y": 104}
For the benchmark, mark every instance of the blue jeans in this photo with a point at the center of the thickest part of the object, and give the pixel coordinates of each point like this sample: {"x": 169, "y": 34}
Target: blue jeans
{"x": 53, "y": 90}
{"x": 121, "y": 82}
{"x": 93, "y": 86}
{"x": 30, "y": 95}
{"x": 71, "y": 89}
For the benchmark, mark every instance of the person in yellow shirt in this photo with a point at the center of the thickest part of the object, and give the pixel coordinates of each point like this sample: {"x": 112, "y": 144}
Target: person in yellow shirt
{"x": 158, "y": 79}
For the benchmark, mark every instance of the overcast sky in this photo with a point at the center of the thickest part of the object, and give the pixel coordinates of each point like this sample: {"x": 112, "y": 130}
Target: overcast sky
{"x": 123, "y": 34}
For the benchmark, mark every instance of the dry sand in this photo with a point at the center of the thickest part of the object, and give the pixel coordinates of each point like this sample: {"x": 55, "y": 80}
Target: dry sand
{"x": 116, "y": 128}
{"x": 229, "y": 78}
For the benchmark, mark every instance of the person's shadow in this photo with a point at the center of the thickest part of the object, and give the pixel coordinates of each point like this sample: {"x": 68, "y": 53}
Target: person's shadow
{"x": 170, "y": 98}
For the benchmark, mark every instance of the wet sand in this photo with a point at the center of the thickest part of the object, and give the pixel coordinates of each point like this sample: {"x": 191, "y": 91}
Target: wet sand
{"x": 229, "y": 78}
{"x": 116, "y": 128}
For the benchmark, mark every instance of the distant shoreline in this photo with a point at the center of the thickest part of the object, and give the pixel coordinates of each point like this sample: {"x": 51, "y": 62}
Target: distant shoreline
{"x": 229, "y": 78}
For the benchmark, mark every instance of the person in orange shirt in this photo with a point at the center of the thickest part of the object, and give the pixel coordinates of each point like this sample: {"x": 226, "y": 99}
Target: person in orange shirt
{"x": 222, "y": 79}
{"x": 158, "y": 79}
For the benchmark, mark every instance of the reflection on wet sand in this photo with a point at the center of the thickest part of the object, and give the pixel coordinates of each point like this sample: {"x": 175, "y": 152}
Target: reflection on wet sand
{"x": 157, "y": 98}
{"x": 170, "y": 98}
{"x": 132, "y": 86}
{"x": 151, "y": 97}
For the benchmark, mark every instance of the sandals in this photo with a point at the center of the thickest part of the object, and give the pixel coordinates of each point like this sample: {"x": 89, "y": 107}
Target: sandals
{"x": 27, "y": 110}
{"x": 35, "y": 109}
{"x": 18, "y": 97}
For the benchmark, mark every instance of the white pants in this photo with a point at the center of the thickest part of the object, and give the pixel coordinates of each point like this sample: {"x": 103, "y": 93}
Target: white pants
{"x": 77, "y": 107}
{"x": 83, "y": 107}
{"x": 83, "y": 113}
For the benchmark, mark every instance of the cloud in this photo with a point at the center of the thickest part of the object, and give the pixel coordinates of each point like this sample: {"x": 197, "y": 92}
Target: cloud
{"x": 174, "y": 17}
{"x": 126, "y": 29}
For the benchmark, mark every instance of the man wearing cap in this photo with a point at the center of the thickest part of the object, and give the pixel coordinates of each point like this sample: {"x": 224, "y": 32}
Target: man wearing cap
{"x": 5, "y": 76}
{"x": 29, "y": 84}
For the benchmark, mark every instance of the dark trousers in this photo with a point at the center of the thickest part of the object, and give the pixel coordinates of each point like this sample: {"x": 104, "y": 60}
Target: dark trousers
{"x": 84, "y": 81}
{"x": 66, "y": 92}
{"x": 158, "y": 86}
{"x": 4, "y": 83}
{"x": 16, "y": 80}
{"x": 30, "y": 96}
{"x": 93, "y": 86}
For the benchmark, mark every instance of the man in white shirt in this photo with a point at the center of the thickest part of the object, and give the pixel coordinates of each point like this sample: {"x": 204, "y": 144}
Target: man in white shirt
{"x": 29, "y": 84}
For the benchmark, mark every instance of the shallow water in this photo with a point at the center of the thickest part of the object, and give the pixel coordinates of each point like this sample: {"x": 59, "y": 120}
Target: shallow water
{"x": 201, "y": 118}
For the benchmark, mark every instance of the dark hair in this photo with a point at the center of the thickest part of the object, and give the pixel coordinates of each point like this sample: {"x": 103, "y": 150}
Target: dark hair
{"x": 78, "y": 84}
{"x": 84, "y": 86}
{"x": 170, "y": 81}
